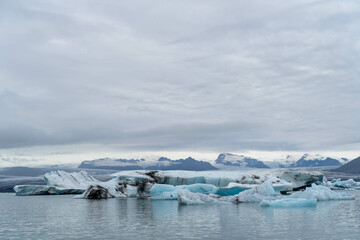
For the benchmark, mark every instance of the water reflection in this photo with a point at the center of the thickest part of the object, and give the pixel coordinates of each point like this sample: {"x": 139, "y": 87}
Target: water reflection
{"x": 59, "y": 217}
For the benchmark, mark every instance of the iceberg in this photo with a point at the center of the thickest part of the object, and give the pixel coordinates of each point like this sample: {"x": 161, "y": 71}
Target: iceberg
{"x": 258, "y": 193}
{"x": 98, "y": 192}
{"x": 166, "y": 191}
{"x": 321, "y": 193}
{"x": 216, "y": 178}
{"x": 302, "y": 179}
{"x": 59, "y": 182}
{"x": 24, "y": 190}
{"x": 103, "y": 190}
{"x": 349, "y": 184}
{"x": 289, "y": 202}
{"x": 185, "y": 197}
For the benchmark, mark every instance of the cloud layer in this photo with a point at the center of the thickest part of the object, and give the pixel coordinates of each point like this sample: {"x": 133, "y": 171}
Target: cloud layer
{"x": 183, "y": 75}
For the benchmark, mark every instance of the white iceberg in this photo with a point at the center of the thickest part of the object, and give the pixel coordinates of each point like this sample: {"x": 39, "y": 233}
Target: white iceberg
{"x": 321, "y": 193}
{"x": 257, "y": 193}
{"x": 185, "y": 197}
{"x": 349, "y": 184}
{"x": 289, "y": 202}
{"x": 59, "y": 182}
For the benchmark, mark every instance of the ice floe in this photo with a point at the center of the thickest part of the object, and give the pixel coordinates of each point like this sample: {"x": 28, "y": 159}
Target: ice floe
{"x": 257, "y": 193}
{"x": 338, "y": 184}
{"x": 321, "y": 193}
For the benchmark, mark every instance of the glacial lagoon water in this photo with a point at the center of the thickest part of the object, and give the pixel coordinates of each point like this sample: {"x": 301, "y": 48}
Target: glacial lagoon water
{"x": 62, "y": 217}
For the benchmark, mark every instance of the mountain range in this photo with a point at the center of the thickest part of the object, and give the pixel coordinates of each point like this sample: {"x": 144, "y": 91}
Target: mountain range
{"x": 224, "y": 161}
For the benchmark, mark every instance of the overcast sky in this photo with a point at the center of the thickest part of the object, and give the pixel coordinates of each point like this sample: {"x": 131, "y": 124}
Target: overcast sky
{"x": 181, "y": 75}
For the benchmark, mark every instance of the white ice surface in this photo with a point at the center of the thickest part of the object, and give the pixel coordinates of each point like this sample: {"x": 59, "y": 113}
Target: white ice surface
{"x": 59, "y": 182}
{"x": 349, "y": 184}
{"x": 258, "y": 193}
{"x": 75, "y": 180}
{"x": 185, "y": 197}
{"x": 321, "y": 193}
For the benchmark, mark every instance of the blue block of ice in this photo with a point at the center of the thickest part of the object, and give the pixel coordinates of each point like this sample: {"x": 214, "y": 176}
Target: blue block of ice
{"x": 166, "y": 191}
{"x": 25, "y": 190}
{"x": 230, "y": 191}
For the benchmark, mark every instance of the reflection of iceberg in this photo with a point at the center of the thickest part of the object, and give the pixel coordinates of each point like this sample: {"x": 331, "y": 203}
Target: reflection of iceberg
{"x": 289, "y": 202}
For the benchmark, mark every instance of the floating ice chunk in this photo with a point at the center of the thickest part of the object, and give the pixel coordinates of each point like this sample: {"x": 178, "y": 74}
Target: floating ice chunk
{"x": 321, "y": 193}
{"x": 163, "y": 191}
{"x": 300, "y": 179}
{"x": 59, "y": 182}
{"x": 257, "y": 193}
{"x": 24, "y": 190}
{"x": 236, "y": 188}
{"x": 289, "y": 202}
{"x": 185, "y": 197}
{"x": 350, "y": 183}
{"x": 166, "y": 191}
{"x": 99, "y": 192}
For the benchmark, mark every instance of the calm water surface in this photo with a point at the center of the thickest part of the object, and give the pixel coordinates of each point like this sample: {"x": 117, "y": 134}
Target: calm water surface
{"x": 62, "y": 217}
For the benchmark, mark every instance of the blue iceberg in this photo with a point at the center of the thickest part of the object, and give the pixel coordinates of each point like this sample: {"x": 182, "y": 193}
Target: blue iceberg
{"x": 166, "y": 191}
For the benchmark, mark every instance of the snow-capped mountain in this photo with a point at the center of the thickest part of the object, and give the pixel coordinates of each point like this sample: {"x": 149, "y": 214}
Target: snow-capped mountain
{"x": 114, "y": 164}
{"x": 162, "y": 163}
{"x": 309, "y": 160}
{"x": 238, "y": 161}
{"x": 224, "y": 161}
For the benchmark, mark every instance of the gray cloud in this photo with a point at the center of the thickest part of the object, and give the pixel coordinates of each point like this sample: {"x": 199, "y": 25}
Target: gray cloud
{"x": 199, "y": 75}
